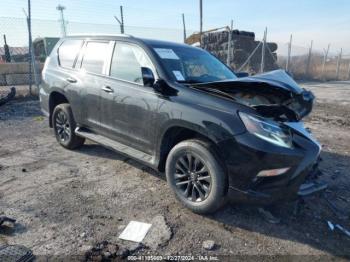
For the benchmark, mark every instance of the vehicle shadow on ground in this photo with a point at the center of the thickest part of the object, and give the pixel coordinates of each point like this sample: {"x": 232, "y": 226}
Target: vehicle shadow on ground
{"x": 308, "y": 226}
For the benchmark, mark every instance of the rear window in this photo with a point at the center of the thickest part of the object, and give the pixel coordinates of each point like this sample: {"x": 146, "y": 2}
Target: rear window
{"x": 94, "y": 57}
{"x": 68, "y": 51}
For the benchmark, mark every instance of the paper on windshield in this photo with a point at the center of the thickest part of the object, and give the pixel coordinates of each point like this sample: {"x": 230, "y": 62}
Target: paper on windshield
{"x": 178, "y": 75}
{"x": 166, "y": 53}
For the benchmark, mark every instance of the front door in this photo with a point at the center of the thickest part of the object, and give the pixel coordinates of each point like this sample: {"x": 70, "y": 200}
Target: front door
{"x": 128, "y": 108}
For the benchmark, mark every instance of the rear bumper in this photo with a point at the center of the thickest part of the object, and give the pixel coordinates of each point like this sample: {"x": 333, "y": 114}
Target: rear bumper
{"x": 249, "y": 155}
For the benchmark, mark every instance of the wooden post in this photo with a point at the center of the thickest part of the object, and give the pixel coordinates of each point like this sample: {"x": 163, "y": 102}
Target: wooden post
{"x": 263, "y": 52}
{"x": 184, "y": 26}
{"x": 325, "y": 56}
{"x": 229, "y": 44}
{"x": 289, "y": 53}
{"x": 309, "y": 59}
{"x": 349, "y": 71}
{"x": 338, "y": 63}
{"x": 200, "y": 21}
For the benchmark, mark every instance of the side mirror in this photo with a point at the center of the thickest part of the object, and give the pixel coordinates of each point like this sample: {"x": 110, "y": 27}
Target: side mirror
{"x": 147, "y": 76}
{"x": 241, "y": 74}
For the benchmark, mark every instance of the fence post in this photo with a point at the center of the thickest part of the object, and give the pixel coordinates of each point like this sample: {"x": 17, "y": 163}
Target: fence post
{"x": 309, "y": 59}
{"x": 184, "y": 26}
{"x": 324, "y": 62}
{"x": 289, "y": 52}
{"x": 229, "y": 43}
{"x": 200, "y": 22}
{"x": 338, "y": 64}
{"x": 349, "y": 71}
{"x": 263, "y": 52}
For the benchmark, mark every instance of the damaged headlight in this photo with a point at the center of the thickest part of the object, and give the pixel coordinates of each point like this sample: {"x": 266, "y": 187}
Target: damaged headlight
{"x": 266, "y": 130}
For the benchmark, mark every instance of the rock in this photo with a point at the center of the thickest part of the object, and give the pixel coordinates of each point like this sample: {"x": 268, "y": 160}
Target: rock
{"x": 112, "y": 249}
{"x": 123, "y": 252}
{"x": 159, "y": 234}
{"x": 83, "y": 235}
{"x": 208, "y": 244}
{"x": 120, "y": 219}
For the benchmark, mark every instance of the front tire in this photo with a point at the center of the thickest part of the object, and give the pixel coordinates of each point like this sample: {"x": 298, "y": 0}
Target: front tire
{"x": 64, "y": 127}
{"x": 196, "y": 176}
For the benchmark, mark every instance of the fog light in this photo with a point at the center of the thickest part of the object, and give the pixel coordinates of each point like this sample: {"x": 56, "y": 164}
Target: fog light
{"x": 273, "y": 172}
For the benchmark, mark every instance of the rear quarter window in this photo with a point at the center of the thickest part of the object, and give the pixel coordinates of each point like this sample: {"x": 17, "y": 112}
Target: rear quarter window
{"x": 68, "y": 51}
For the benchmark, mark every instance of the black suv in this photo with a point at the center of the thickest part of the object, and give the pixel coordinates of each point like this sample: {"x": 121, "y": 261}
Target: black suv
{"x": 180, "y": 110}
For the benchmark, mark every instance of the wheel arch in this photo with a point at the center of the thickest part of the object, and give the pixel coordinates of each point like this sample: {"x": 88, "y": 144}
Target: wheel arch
{"x": 55, "y": 99}
{"x": 178, "y": 132}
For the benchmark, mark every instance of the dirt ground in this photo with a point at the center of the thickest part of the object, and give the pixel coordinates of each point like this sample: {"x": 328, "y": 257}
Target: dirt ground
{"x": 66, "y": 202}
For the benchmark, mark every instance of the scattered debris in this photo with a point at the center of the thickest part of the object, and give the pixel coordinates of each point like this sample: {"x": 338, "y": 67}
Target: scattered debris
{"x": 24, "y": 170}
{"x": 159, "y": 234}
{"x": 208, "y": 244}
{"x": 330, "y": 225}
{"x": 4, "y": 219}
{"x": 339, "y": 227}
{"x": 135, "y": 231}
{"x": 16, "y": 253}
{"x": 313, "y": 187}
{"x": 8, "y": 97}
{"x": 338, "y": 212}
{"x": 345, "y": 231}
{"x": 268, "y": 216}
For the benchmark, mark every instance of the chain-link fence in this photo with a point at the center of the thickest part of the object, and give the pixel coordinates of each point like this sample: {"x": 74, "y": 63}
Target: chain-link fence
{"x": 239, "y": 49}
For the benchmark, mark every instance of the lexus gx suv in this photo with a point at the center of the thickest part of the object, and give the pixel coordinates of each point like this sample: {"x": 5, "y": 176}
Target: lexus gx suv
{"x": 179, "y": 110}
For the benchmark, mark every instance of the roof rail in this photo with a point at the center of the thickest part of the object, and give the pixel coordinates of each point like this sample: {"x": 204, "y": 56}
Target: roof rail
{"x": 99, "y": 34}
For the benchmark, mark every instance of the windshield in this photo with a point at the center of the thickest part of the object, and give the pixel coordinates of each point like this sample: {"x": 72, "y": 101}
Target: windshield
{"x": 192, "y": 65}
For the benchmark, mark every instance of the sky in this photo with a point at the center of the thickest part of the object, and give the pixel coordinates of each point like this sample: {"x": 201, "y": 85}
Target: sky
{"x": 322, "y": 21}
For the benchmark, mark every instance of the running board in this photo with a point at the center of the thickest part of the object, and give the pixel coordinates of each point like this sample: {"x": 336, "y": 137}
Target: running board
{"x": 116, "y": 146}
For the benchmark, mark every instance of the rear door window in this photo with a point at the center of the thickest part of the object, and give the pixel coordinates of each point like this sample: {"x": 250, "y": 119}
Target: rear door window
{"x": 68, "y": 52}
{"x": 94, "y": 57}
{"x": 127, "y": 61}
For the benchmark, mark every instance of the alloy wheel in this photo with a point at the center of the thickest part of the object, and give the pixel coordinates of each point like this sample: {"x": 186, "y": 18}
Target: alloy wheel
{"x": 62, "y": 126}
{"x": 192, "y": 178}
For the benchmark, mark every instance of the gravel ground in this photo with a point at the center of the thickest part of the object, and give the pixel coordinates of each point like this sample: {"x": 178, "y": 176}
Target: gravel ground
{"x": 70, "y": 203}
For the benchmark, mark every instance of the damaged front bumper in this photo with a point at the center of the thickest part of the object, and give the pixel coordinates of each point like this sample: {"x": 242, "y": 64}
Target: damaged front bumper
{"x": 247, "y": 156}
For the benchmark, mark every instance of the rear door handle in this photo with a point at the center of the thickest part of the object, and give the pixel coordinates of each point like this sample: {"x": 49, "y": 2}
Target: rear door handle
{"x": 71, "y": 80}
{"x": 107, "y": 89}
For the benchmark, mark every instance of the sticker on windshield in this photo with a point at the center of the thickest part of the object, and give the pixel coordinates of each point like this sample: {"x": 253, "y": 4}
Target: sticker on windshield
{"x": 166, "y": 53}
{"x": 178, "y": 75}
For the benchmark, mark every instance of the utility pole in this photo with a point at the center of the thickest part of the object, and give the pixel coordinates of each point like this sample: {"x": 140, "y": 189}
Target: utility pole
{"x": 263, "y": 52}
{"x": 184, "y": 26}
{"x": 200, "y": 21}
{"x": 229, "y": 43}
{"x": 309, "y": 59}
{"x": 121, "y": 21}
{"x": 325, "y": 56}
{"x": 61, "y": 8}
{"x": 338, "y": 63}
{"x": 289, "y": 52}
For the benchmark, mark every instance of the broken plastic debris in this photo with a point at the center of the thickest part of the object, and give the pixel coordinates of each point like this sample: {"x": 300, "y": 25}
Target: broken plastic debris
{"x": 330, "y": 225}
{"x": 268, "y": 216}
{"x": 345, "y": 231}
{"x": 135, "y": 231}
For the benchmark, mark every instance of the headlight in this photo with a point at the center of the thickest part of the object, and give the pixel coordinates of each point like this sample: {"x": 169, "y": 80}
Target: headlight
{"x": 267, "y": 131}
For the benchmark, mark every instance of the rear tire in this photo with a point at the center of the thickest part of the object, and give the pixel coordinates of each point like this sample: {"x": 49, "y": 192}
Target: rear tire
{"x": 64, "y": 127}
{"x": 196, "y": 176}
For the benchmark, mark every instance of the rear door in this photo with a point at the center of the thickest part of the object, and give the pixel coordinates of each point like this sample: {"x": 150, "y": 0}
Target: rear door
{"x": 128, "y": 108}
{"x": 91, "y": 78}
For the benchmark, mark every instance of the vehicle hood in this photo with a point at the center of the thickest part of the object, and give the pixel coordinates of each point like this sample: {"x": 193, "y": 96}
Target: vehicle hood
{"x": 274, "y": 94}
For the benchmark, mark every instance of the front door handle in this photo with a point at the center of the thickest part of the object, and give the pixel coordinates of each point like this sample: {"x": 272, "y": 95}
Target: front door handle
{"x": 107, "y": 89}
{"x": 71, "y": 80}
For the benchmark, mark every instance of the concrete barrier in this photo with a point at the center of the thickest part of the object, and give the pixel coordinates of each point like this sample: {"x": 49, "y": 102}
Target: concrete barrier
{"x": 17, "y": 73}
